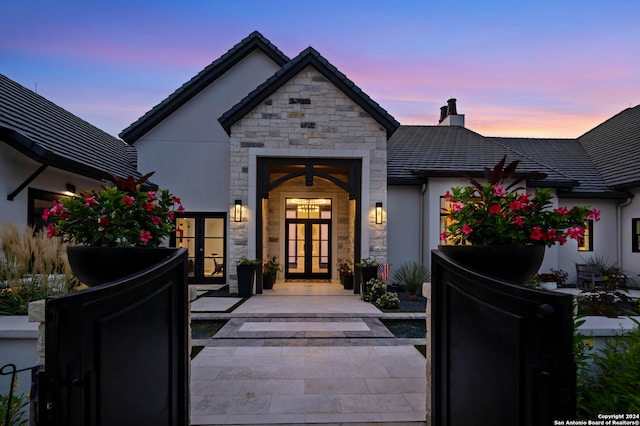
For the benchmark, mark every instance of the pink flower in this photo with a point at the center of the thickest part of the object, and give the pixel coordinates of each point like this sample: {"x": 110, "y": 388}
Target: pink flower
{"x": 519, "y": 221}
{"x": 550, "y": 235}
{"x": 176, "y": 200}
{"x": 145, "y": 236}
{"x": 156, "y": 220}
{"x": 499, "y": 190}
{"x": 148, "y": 207}
{"x": 443, "y": 236}
{"x": 89, "y": 200}
{"x": 575, "y": 232}
{"x": 128, "y": 199}
{"x": 562, "y": 211}
{"x": 51, "y": 230}
{"x": 515, "y": 205}
{"x": 594, "y": 214}
{"x": 180, "y": 209}
{"x": 494, "y": 208}
{"x": 466, "y": 229}
{"x": 171, "y": 215}
{"x": 45, "y": 214}
{"x": 536, "y": 234}
{"x": 103, "y": 221}
{"x": 57, "y": 208}
{"x": 456, "y": 207}
{"x": 151, "y": 195}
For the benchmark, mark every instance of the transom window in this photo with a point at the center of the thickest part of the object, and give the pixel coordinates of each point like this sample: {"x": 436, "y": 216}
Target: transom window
{"x": 308, "y": 208}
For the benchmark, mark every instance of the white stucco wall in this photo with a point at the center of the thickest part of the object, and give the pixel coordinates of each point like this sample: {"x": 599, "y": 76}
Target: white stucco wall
{"x": 15, "y": 168}
{"x": 630, "y": 261}
{"x": 403, "y": 228}
{"x": 189, "y": 150}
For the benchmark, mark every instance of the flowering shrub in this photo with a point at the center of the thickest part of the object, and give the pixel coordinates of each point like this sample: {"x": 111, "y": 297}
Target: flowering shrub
{"x": 117, "y": 216}
{"x": 374, "y": 289}
{"x": 388, "y": 300}
{"x": 557, "y": 275}
{"x": 492, "y": 214}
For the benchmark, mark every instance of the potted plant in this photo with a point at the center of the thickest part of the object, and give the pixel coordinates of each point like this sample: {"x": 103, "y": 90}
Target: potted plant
{"x": 116, "y": 231}
{"x": 345, "y": 269}
{"x": 270, "y": 269}
{"x": 246, "y": 269}
{"x": 368, "y": 271}
{"x": 411, "y": 275}
{"x": 492, "y": 222}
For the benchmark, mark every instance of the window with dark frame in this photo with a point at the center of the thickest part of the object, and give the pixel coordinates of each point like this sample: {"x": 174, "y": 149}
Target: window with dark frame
{"x": 635, "y": 235}
{"x": 40, "y": 200}
{"x": 586, "y": 242}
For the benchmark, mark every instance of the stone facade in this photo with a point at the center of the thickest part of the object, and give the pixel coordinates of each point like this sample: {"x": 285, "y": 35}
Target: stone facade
{"x": 307, "y": 117}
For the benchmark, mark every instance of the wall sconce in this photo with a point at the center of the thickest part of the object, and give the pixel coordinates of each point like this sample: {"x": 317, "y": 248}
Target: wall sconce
{"x": 237, "y": 213}
{"x": 70, "y": 190}
{"x": 378, "y": 213}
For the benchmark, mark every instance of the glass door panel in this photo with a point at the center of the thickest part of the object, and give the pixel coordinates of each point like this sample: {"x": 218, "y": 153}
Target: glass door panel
{"x": 320, "y": 248}
{"x": 308, "y": 249}
{"x": 186, "y": 238}
{"x": 203, "y": 235}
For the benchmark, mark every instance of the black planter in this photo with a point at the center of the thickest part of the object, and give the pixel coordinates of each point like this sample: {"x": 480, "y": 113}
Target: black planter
{"x": 347, "y": 281}
{"x": 368, "y": 273}
{"x": 268, "y": 281}
{"x": 99, "y": 265}
{"x": 508, "y": 262}
{"x": 246, "y": 278}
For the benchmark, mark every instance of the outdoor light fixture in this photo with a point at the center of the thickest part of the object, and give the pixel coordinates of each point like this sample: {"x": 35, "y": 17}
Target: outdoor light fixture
{"x": 378, "y": 213}
{"x": 70, "y": 190}
{"x": 237, "y": 213}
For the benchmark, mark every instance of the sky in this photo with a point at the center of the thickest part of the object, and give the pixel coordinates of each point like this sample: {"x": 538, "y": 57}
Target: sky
{"x": 533, "y": 68}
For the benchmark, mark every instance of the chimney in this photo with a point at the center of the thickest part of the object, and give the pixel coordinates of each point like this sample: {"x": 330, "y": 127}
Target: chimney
{"x": 451, "y": 103}
{"x": 443, "y": 113}
{"x": 449, "y": 115}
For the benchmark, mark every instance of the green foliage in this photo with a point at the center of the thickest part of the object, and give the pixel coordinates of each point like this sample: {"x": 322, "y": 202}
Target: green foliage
{"x": 345, "y": 267}
{"x": 411, "y": 275}
{"x": 374, "y": 289}
{"x": 388, "y": 300}
{"x": 367, "y": 261}
{"x": 492, "y": 214}
{"x": 116, "y": 216}
{"x": 271, "y": 266}
{"x": 246, "y": 261}
{"x": 608, "y": 378}
{"x": 16, "y": 407}
{"x": 611, "y": 304}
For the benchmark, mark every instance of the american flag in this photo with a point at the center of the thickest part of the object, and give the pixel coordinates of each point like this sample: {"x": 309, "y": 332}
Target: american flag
{"x": 383, "y": 271}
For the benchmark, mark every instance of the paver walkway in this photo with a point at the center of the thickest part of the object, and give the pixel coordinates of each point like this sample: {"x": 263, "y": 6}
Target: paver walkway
{"x": 305, "y": 353}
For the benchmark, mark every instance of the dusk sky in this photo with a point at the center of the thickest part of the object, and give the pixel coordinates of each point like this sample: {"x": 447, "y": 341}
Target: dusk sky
{"x": 531, "y": 69}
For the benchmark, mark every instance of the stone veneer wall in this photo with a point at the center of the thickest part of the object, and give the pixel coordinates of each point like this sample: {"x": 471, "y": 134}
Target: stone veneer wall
{"x": 306, "y": 114}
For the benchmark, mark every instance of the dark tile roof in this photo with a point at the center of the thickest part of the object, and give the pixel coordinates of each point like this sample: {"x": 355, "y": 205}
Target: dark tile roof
{"x": 53, "y": 136}
{"x": 418, "y": 152}
{"x": 614, "y": 148}
{"x": 213, "y": 71}
{"x": 567, "y": 156}
{"x": 307, "y": 57}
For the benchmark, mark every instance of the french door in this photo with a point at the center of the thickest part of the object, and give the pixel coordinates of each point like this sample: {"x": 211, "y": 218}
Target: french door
{"x": 204, "y": 236}
{"x": 308, "y": 248}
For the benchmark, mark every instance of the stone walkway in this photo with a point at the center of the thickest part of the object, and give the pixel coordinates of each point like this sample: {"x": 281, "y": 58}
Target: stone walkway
{"x": 305, "y": 354}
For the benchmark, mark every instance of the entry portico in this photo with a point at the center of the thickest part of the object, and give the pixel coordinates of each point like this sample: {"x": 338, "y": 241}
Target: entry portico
{"x": 308, "y": 133}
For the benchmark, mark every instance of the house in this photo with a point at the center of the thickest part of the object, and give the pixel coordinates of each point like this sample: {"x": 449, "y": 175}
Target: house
{"x": 47, "y": 153}
{"x": 274, "y": 156}
{"x": 288, "y": 157}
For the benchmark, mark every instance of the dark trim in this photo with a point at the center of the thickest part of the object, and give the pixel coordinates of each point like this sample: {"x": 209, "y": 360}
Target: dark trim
{"x": 27, "y": 181}
{"x": 309, "y": 57}
{"x": 207, "y": 76}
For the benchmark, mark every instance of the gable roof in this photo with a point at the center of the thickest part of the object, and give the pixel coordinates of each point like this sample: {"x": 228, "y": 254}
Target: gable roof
{"x": 418, "y": 152}
{"x": 614, "y": 148}
{"x": 209, "y": 74}
{"x": 53, "y": 136}
{"x": 307, "y": 57}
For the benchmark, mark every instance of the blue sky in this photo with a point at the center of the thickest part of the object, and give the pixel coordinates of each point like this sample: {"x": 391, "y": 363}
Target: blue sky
{"x": 532, "y": 69}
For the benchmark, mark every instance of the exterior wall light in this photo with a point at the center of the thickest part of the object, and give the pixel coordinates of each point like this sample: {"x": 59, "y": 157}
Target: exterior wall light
{"x": 70, "y": 190}
{"x": 237, "y": 212}
{"x": 378, "y": 213}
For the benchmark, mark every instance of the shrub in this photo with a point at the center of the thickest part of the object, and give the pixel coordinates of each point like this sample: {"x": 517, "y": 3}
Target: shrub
{"x": 374, "y": 289}
{"x": 411, "y": 275}
{"x": 608, "y": 378}
{"x": 388, "y": 301}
